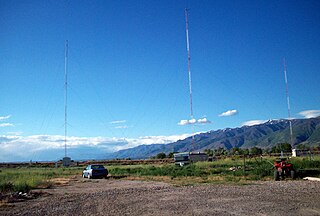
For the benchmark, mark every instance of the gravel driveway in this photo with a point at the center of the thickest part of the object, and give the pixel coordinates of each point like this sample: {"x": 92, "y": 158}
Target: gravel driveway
{"x": 121, "y": 197}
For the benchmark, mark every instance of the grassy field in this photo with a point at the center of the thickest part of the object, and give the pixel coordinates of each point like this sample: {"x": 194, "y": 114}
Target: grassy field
{"x": 228, "y": 170}
{"x": 23, "y": 179}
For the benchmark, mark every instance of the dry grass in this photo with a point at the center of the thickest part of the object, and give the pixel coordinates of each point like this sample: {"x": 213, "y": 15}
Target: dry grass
{"x": 62, "y": 181}
{"x": 190, "y": 180}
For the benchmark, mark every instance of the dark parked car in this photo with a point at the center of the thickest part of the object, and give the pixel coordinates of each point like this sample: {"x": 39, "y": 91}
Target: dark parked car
{"x": 95, "y": 171}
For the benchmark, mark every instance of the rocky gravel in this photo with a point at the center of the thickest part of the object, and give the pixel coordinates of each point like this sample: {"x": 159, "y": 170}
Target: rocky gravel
{"x": 121, "y": 197}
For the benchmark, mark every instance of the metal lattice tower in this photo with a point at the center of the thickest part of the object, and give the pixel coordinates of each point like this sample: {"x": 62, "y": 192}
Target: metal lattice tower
{"x": 189, "y": 73}
{"x": 288, "y": 100}
{"x": 66, "y": 98}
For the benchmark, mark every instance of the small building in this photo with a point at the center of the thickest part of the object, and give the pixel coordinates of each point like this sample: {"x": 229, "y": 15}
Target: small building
{"x": 300, "y": 152}
{"x": 198, "y": 156}
{"x": 185, "y": 158}
{"x": 181, "y": 158}
{"x": 66, "y": 161}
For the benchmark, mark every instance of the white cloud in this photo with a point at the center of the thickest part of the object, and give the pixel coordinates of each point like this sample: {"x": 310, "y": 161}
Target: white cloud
{"x": 194, "y": 121}
{"x": 41, "y": 142}
{"x": 6, "y": 125}
{"x": 118, "y": 122}
{"x": 253, "y": 122}
{"x": 229, "y": 113}
{"x": 148, "y": 140}
{"x": 51, "y": 147}
{"x": 204, "y": 121}
{"x": 15, "y": 133}
{"x": 310, "y": 113}
{"x": 4, "y": 117}
{"x": 185, "y": 122}
{"x": 122, "y": 127}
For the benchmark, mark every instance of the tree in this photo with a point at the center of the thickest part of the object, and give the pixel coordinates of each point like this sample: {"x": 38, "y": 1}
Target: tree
{"x": 275, "y": 149}
{"x": 315, "y": 148}
{"x": 161, "y": 155}
{"x": 246, "y": 151}
{"x": 256, "y": 151}
{"x": 220, "y": 151}
{"x": 209, "y": 152}
{"x": 303, "y": 147}
{"x": 236, "y": 151}
{"x": 284, "y": 147}
{"x": 171, "y": 154}
{"x": 266, "y": 151}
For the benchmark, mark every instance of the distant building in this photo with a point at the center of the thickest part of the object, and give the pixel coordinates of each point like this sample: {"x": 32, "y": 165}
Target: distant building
{"x": 185, "y": 158}
{"x": 66, "y": 161}
{"x": 300, "y": 152}
{"x": 198, "y": 156}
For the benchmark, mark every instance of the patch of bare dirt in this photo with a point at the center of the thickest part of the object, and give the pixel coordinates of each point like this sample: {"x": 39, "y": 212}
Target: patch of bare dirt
{"x": 61, "y": 181}
{"x": 123, "y": 197}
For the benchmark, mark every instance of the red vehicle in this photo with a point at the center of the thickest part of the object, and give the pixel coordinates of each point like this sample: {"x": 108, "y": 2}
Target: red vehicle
{"x": 283, "y": 169}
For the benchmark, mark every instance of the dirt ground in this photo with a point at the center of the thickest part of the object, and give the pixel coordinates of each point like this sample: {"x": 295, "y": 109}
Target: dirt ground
{"x": 123, "y": 197}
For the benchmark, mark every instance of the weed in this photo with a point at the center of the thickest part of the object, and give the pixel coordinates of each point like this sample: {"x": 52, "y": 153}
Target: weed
{"x": 6, "y": 187}
{"x": 22, "y": 187}
{"x": 25, "y": 179}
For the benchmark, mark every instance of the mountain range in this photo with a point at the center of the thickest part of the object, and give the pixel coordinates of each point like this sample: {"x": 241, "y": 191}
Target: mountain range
{"x": 266, "y": 135}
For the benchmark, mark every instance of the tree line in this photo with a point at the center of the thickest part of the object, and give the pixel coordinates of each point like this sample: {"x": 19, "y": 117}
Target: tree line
{"x": 277, "y": 149}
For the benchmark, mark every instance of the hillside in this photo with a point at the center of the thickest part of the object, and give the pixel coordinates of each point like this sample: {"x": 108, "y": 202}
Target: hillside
{"x": 305, "y": 131}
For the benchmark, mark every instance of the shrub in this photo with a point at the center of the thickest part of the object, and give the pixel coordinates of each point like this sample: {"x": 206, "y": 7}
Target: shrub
{"x": 22, "y": 187}
{"x": 262, "y": 170}
{"x": 161, "y": 155}
{"x": 6, "y": 187}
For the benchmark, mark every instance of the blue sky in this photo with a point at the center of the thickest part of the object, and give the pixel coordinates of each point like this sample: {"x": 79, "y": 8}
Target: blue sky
{"x": 128, "y": 80}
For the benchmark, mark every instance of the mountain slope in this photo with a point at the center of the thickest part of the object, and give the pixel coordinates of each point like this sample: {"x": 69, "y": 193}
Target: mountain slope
{"x": 305, "y": 131}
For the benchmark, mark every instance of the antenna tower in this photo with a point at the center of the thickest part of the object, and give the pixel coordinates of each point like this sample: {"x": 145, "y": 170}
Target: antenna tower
{"x": 65, "y": 98}
{"x": 288, "y": 100}
{"x": 189, "y": 73}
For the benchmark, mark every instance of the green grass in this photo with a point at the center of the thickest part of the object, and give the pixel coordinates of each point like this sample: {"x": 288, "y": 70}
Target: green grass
{"x": 170, "y": 170}
{"x": 24, "y": 179}
{"x": 228, "y": 170}
{"x": 225, "y": 170}
{"x": 306, "y": 162}
{"x": 200, "y": 172}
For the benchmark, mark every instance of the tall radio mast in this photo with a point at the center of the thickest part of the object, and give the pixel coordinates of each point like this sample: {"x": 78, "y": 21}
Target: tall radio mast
{"x": 66, "y": 161}
{"x": 288, "y": 100}
{"x": 189, "y": 73}
{"x": 65, "y": 97}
